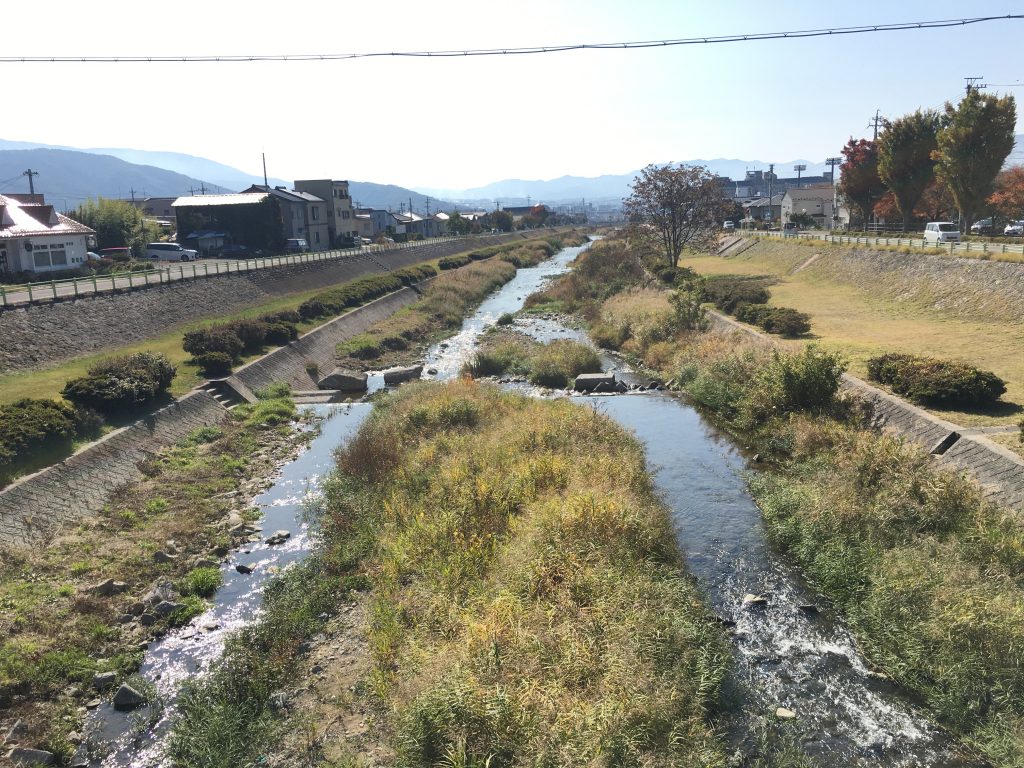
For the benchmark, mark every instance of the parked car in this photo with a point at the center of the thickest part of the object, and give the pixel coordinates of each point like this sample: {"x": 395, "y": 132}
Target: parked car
{"x": 92, "y": 255}
{"x": 941, "y": 232}
{"x": 982, "y": 227}
{"x": 790, "y": 229}
{"x": 233, "y": 251}
{"x": 728, "y": 225}
{"x": 296, "y": 245}
{"x": 120, "y": 253}
{"x": 1014, "y": 229}
{"x": 169, "y": 252}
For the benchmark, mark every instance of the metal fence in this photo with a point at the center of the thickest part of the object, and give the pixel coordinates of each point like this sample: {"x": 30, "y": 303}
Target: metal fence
{"x": 54, "y": 290}
{"x": 905, "y": 242}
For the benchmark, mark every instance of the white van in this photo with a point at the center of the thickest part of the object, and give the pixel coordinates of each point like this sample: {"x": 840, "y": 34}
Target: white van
{"x": 169, "y": 252}
{"x": 941, "y": 232}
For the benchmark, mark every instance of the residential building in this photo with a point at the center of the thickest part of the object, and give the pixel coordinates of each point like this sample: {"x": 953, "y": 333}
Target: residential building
{"x": 303, "y": 215}
{"x": 816, "y": 201}
{"x": 35, "y": 238}
{"x": 762, "y": 209}
{"x": 341, "y": 217}
{"x": 253, "y": 219}
{"x": 384, "y": 222}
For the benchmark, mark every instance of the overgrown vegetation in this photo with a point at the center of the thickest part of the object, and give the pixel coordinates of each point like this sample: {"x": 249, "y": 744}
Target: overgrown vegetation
{"x": 217, "y": 347}
{"x": 936, "y": 382}
{"x": 528, "y": 602}
{"x": 57, "y": 630}
{"x": 353, "y": 294}
{"x": 119, "y": 384}
{"x": 555, "y": 364}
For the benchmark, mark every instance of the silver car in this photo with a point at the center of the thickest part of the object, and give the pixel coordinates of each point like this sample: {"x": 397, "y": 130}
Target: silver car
{"x": 1014, "y": 229}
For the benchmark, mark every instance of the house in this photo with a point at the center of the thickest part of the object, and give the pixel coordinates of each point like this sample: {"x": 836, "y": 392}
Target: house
{"x": 253, "y": 219}
{"x": 762, "y": 209}
{"x": 35, "y": 238}
{"x": 384, "y": 222}
{"x": 816, "y": 201}
{"x": 303, "y": 215}
{"x": 342, "y": 227}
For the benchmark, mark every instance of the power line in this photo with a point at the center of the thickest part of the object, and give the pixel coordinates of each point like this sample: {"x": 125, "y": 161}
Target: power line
{"x": 737, "y": 38}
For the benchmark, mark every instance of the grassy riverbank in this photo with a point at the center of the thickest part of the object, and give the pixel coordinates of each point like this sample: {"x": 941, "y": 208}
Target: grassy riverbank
{"x": 928, "y": 574}
{"x": 57, "y": 631}
{"x": 863, "y": 306}
{"x": 526, "y": 600}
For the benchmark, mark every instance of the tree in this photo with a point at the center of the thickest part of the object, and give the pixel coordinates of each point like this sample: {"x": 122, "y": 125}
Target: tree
{"x": 117, "y": 224}
{"x": 457, "y": 225}
{"x": 973, "y": 143}
{"x": 1008, "y": 199}
{"x": 905, "y": 162}
{"x": 936, "y": 204}
{"x": 499, "y": 220}
{"x": 858, "y": 176}
{"x": 677, "y": 207}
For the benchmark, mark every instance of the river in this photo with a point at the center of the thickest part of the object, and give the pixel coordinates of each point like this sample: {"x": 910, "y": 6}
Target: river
{"x": 791, "y": 653}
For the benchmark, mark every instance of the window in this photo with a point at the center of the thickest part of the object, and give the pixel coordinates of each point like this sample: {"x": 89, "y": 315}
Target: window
{"x": 316, "y": 236}
{"x": 59, "y": 258}
{"x": 345, "y": 214}
{"x": 41, "y": 258}
{"x": 316, "y": 214}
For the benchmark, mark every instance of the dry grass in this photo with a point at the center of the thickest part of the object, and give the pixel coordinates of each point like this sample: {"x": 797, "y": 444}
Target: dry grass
{"x": 862, "y": 319}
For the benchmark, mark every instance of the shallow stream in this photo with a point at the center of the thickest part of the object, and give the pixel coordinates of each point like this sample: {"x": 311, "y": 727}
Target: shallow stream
{"x": 791, "y": 653}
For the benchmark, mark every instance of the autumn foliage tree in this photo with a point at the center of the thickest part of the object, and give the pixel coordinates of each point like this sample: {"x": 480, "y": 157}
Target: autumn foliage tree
{"x": 1008, "y": 199}
{"x": 859, "y": 181}
{"x": 676, "y": 207}
{"x": 973, "y": 143}
{"x": 936, "y": 204}
{"x": 905, "y": 162}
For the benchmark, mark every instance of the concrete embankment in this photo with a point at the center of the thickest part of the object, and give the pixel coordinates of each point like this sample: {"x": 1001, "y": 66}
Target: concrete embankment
{"x": 39, "y": 335}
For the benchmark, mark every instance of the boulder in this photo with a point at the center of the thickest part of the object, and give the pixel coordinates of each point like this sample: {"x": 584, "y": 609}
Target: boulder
{"x": 162, "y": 557}
{"x": 127, "y": 698}
{"x": 278, "y": 537}
{"x": 243, "y": 569}
{"x": 588, "y": 382}
{"x": 343, "y": 381}
{"x": 166, "y": 608}
{"x": 26, "y": 756}
{"x": 103, "y": 680}
{"x": 398, "y": 375}
{"x": 785, "y": 714}
{"x": 161, "y": 591}
{"x": 754, "y": 601}
{"x": 108, "y": 588}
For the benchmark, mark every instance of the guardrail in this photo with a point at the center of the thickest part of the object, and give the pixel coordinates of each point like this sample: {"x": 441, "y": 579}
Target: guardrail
{"x": 911, "y": 242}
{"x": 54, "y": 290}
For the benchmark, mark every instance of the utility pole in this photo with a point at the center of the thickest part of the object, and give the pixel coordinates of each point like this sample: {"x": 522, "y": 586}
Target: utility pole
{"x": 265, "y": 182}
{"x": 971, "y": 84}
{"x": 771, "y": 179}
{"x": 31, "y": 186}
{"x": 875, "y": 122}
{"x": 832, "y": 162}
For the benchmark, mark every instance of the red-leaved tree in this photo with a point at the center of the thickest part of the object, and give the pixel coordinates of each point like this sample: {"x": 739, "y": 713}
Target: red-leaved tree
{"x": 858, "y": 176}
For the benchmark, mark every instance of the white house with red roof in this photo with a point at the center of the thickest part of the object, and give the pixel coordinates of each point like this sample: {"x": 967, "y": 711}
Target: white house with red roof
{"x": 35, "y": 238}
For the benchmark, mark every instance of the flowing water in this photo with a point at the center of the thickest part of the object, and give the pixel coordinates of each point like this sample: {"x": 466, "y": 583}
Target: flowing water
{"x": 791, "y": 653}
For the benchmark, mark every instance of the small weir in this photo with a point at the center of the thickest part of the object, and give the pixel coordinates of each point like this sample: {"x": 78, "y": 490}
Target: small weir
{"x": 791, "y": 652}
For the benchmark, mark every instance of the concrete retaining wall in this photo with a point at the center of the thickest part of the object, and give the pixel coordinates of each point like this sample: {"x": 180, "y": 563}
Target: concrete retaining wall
{"x": 44, "y": 334}
{"x": 32, "y": 507}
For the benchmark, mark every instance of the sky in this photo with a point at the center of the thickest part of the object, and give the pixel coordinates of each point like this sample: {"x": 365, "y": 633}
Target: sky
{"x": 456, "y": 123}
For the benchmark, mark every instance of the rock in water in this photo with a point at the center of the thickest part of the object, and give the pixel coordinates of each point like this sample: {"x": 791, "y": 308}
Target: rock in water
{"x": 103, "y": 680}
{"x": 398, "y": 375}
{"x": 26, "y": 756}
{"x": 588, "y": 382}
{"x": 244, "y": 569}
{"x": 754, "y": 601}
{"x": 343, "y": 381}
{"x": 127, "y": 698}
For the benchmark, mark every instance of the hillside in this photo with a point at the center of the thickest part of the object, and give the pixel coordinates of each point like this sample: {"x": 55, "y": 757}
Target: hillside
{"x": 68, "y": 178}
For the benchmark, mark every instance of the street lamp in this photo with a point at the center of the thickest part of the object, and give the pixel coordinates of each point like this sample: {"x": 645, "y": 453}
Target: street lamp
{"x": 799, "y": 170}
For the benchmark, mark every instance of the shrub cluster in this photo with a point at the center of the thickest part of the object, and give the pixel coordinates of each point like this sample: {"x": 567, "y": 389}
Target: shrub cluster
{"x": 216, "y": 348}
{"x": 728, "y": 292}
{"x": 30, "y": 425}
{"x": 780, "y": 320}
{"x": 337, "y": 300}
{"x": 935, "y": 381}
{"x": 453, "y": 262}
{"x": 118, "y": 383}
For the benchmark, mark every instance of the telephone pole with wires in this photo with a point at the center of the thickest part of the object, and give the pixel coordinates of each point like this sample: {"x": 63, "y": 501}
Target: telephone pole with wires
{"x": 971, "y": 84}
{"x": 31, "y": 185}
{"x": 876, "y": 121}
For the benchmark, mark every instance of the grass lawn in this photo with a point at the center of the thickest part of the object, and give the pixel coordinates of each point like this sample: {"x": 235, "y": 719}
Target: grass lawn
{"x": 861, "y": 323}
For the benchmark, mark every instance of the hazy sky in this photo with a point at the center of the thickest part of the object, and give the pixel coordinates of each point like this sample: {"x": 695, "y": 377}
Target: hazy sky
{"x": 457, "y": 123}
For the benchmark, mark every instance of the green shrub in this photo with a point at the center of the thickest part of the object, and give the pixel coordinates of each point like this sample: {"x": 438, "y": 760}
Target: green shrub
{"x": 453, "y": 262}
{"x": 933, "y": 381}
{"x": 779, "y": 320}
{"x": 506, "y": 318}
{"x": 252, "y": 333}
{"x": 214, "y": 363}
{"x": 280, "y": 333}
{"x": 30, "y": 425}
{"x": 791, "y": 383}
{"x": 121, "y": 382}
{"x": 219, "y": 338}
{"x": 727, "y": 292}
{"x": 361, "y": 347}
{"x": 283, "y": 316}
